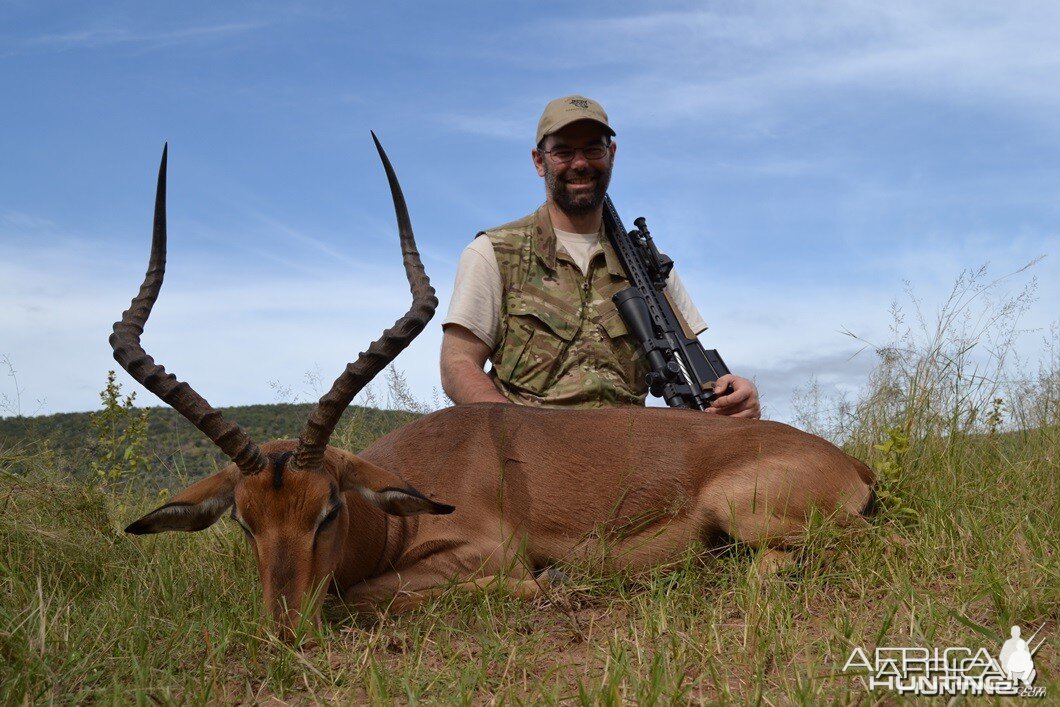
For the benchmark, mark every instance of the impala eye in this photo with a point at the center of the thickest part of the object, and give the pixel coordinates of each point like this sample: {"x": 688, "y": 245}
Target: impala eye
{"x": 332, "y": 515}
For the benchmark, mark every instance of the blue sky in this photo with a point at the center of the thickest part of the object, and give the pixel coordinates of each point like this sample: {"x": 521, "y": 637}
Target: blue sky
{"x": 800, "y": 162}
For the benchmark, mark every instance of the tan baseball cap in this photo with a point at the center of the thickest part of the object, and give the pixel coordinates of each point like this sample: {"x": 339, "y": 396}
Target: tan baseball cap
{"x": 569, "y": 109}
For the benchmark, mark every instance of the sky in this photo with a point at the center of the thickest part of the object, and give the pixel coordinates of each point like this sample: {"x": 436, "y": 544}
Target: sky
{"x": 803, "y": 163}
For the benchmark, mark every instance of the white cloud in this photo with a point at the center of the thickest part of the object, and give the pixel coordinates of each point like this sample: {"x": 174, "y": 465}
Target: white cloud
{"x": 511, "y": 127}
{"x": 97, "y": 37}
{"x": 704, "y": 66}
{"x": 785, "y": 333}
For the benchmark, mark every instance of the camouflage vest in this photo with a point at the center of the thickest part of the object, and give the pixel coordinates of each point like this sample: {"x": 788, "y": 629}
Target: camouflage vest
{"x": 562, "y": 342}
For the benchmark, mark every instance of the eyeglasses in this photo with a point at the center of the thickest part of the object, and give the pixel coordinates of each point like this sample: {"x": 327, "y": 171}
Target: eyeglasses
{"x": 566, "y": 154}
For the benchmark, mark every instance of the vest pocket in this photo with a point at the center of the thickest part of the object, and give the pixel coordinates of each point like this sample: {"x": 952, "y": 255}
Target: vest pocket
{"x": 627, "y": 356}
{"x": 612, "y": 323}
{"x": 533, "y": 346}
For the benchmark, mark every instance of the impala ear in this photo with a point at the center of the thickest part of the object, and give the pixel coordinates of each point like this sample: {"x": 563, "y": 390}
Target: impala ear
{"x": 195, "y": 508}
{"x": 386, "y": 491}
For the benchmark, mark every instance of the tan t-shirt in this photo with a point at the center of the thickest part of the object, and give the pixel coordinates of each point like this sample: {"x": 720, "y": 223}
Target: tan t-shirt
{"x": 476, "y": 302}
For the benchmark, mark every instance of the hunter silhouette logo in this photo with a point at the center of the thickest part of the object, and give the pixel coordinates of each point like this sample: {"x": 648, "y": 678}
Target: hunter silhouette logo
{"x": 579, "y": 102}
{"x": 1017, "y": 657}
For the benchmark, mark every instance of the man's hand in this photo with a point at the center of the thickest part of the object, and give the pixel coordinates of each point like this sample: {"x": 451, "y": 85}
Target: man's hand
{"x": 741, "y": 402}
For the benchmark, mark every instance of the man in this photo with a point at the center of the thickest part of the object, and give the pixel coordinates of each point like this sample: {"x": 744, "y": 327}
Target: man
{"x": 534, "y": 296}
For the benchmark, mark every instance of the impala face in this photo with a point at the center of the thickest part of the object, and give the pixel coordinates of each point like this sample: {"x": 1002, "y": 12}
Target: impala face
{"x": 295, "y": 522}
{"x": 310, "y": 532}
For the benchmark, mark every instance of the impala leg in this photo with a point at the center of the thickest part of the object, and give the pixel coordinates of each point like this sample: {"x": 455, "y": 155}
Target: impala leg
{"x": 651, "y": 548}
{"x": 525, "y": 589}
{"x": 768, "y": 511}
{"x": 520, "y": 588}
{"x": 773, "y": 561}
{"x": 406, "y": 589}
{"x": 399, "y": 593}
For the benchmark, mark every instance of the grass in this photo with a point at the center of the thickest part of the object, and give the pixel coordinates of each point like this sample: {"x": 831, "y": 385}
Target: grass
{"x": 964, "y": 546}
{"x": 89, "y": 614}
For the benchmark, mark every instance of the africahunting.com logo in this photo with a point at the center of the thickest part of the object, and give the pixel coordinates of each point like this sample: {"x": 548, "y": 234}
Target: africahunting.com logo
{"x": 951, "y": 671}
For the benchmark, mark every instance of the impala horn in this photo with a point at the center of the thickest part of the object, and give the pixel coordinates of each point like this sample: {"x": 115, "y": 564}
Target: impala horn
{"x": 321, "y": 423}
{"x": 128, "y": 352}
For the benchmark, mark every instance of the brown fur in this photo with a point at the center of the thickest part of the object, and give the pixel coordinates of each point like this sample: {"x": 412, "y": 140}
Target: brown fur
{"x": 532, "y": 487}
{"x": 648, "y": 480}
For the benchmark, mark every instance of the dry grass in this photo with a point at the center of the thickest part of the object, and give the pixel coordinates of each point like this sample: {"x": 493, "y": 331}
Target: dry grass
{"x": 89, "y": 614}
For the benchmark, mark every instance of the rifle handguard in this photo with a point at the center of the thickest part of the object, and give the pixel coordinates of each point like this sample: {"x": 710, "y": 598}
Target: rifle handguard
{"x": 682, "y": 371}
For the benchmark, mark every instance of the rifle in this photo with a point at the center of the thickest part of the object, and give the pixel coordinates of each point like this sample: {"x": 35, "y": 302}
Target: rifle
{"x": 682, "y": 371}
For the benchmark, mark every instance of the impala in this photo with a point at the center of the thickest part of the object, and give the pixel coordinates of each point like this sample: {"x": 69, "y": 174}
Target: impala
{"x": 530, "y": 487}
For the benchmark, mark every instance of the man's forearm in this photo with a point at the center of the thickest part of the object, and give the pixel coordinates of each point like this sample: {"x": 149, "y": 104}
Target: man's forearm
{"x": 465, "y": 383}
{"x": 463, "y": 357}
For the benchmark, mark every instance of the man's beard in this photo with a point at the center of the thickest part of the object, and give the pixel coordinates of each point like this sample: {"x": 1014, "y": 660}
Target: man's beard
{"x": 582, "y": 202}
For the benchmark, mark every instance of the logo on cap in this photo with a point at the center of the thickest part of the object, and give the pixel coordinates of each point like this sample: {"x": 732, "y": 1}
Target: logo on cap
{"x": 579, "y": 102}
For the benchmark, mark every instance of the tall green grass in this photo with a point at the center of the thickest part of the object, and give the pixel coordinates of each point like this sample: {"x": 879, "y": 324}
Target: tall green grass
{"x": 964, "y": 546}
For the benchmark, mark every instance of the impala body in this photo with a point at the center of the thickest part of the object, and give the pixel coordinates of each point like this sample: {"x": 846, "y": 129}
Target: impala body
{"x": 529, "y": 487}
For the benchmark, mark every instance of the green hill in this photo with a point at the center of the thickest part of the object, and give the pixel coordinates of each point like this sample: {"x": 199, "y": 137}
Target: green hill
{"x": 175, "y": 448}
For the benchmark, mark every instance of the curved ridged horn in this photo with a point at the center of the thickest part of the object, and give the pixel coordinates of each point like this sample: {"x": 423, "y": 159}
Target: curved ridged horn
{"x": 321, "y": 423}
{"x": 128, "y": 352}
